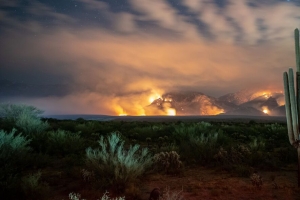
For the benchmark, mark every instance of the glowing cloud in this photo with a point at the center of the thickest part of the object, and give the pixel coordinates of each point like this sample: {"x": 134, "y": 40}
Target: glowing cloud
{"x": 171, "y": 111}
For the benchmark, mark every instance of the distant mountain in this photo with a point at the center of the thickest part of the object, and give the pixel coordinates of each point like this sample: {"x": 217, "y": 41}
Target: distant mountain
{"x": 279, "y": 111}
{"x": 245, "y": 111}
{"x": 190, "y": 103}
{"x": 246, "y": 95}
{"x": 245, "y": 102}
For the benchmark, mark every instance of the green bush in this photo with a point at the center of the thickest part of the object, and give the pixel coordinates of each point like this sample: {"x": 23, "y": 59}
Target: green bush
{"x": 33, "y": 188}
{"x": 203, "y": 145}
{"x": 11, "y": 112}
{"x": 257, "y": 144}
{"x": 233, "y": 159}
{"x": 87, "y": 128}
{"x": 14, "y": 152}
{"x": 140, "y": 133}
{"x": 114, "y": 164}
{"x": 24, "y": 117}
{"x": 62, "y": 142}
{"x": 30, "y": 125}
{"x": 40, "y": 142}
{"x": 184, "y": 131}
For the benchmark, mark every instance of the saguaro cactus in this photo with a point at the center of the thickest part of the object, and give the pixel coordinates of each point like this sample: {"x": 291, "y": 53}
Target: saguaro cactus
{"x": 292, "y": 102}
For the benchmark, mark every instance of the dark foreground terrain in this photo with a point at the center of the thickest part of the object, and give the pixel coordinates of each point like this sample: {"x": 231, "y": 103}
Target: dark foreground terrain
{"x": 192, "y": 157}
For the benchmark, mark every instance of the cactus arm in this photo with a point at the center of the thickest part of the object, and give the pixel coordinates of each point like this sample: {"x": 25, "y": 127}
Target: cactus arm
{"x": 296, "y": 33}
{"x": 293, "y": 103}
{"x": 288, "y": 108}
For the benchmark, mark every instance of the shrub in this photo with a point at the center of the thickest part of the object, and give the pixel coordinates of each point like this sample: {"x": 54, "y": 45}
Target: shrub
{"x": 114, "y": 164}
{"x": 33, "y": 187}
{"x": 257, "y": 144}
{"x": 87, "y": 128}
{"x": 62, "y": 142}
{"x": 11, "y": 112}
{"x": 30, "y": 125}
{"x": 74, "y": 196}
{"x": 40, "y": 142}
{"x": 168, "y": 162}
{"x": 24, "y": 117}
{"x": 203, "y": 145}
{"x": 168, "y": 195}
{"x": 139, "y": 133}
{"x": 184, "y": 131}
{"x": 256, "y": 180}
{"x": 13, "y": 159}
{"x": 169, "y": 147}
{"x": 232, "y": 158}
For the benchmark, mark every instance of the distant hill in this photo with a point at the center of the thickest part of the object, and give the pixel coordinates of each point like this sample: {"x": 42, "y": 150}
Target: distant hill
{"x": 245, "y": 102}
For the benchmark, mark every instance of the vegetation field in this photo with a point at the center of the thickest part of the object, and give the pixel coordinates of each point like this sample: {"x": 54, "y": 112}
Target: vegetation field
{"x": 80, "y": 159}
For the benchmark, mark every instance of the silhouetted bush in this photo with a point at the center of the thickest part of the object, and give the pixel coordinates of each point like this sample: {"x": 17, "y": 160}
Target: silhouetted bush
{"x": 62, "y": 142}
{"x": 33, "y": 187}
{"x": 115, "y": 165}
{"x": 14, "y": 152}
{"x": 23, "y": 117}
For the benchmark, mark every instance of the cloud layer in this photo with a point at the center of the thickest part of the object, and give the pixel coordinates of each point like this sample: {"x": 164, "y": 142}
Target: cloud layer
{"x": 114, "y": 60}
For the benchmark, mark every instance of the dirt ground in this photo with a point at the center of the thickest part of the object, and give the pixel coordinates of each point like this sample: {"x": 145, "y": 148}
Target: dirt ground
{"x": 201, "y": 183}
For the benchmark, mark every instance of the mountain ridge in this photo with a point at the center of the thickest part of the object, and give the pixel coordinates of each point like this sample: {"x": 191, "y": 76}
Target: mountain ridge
{"x": 251, "y": 102}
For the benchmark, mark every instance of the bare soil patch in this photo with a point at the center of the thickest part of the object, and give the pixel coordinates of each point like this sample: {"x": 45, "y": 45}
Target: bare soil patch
{"x": 199, "y": 183}
{"x": 202, "y": 183}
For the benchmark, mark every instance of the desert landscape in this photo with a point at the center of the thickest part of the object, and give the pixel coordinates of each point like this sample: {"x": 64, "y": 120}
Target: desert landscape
{"x": 186, "y": 157}
{"x": 149, "y": 100}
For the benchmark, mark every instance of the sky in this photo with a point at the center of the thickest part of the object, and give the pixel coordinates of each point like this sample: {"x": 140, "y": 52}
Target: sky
{"x": 111, "y": 56}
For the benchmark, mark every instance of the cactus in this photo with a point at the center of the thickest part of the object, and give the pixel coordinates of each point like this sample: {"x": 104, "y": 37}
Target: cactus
{"x": 297, "y": 50}
{"x": 168, "y": 162}
{"x": 256, "y": 180}
{"x": 292, "y": 102}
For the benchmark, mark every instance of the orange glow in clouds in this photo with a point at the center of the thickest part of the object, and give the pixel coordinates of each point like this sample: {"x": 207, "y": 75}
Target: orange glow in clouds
{"x": 154, "y": 97}
{"x": 265, "y": 109}
{"x": 119, "y": 110}
{"x": 266, "y": 94}
{"x": 171, "y": 112}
